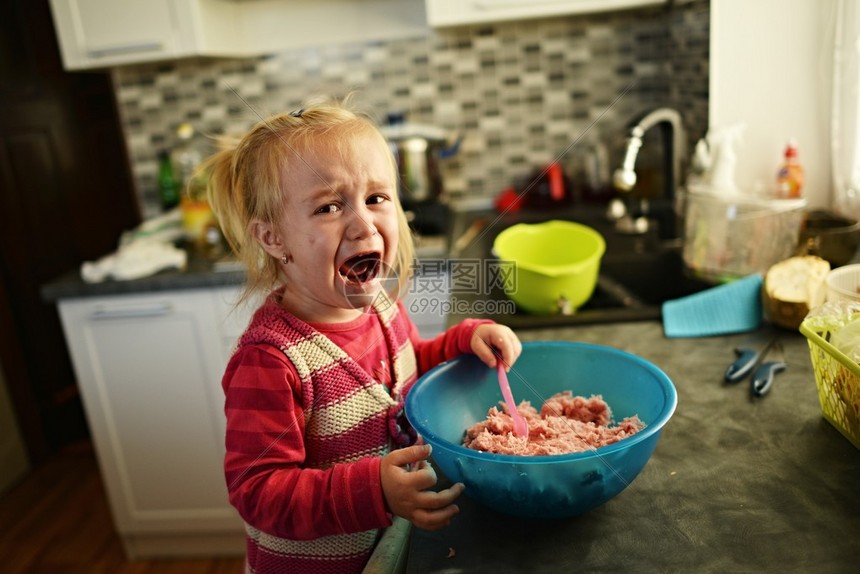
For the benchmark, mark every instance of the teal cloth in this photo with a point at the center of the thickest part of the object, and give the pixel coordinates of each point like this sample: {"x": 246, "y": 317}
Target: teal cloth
{"x": 728, "y": 308}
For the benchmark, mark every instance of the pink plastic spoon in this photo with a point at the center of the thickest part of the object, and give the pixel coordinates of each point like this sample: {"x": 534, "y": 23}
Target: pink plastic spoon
{"x": 521, "y": 427}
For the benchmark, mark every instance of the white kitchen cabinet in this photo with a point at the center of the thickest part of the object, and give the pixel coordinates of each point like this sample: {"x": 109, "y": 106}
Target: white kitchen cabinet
{"x": 459, "y": 12}
{"x": 277, "y": 25}
{"x": 105, "y": 33}
{"x": 101, "y": 33}
{"x": 149, "y": 370}
{"x": 232, "y": 317}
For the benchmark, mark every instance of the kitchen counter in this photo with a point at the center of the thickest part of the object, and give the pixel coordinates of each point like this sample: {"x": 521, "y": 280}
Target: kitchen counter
{"x": 199, "y": 273}
{"x": 735, "y": 484}
{"x": 202, "y": 272}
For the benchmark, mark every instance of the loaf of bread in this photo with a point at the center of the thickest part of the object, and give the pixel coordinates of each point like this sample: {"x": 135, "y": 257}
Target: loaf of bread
{"x": 792, "y": 287}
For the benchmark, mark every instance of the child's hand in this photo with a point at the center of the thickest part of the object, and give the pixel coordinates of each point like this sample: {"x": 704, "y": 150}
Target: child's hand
{"x": 491, "y": 339}
{"x": 406, "y": 477}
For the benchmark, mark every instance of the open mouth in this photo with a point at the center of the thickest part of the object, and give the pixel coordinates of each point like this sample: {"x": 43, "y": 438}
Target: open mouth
{"x": 361, "y": 268}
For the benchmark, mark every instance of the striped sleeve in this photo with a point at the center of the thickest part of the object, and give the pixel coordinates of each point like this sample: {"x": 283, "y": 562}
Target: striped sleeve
{"x": 457, "y": 340}
{"x": 265, "y": 452}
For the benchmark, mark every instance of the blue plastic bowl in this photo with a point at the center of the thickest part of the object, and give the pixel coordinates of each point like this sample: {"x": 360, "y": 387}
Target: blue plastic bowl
{"x": 457, "y": 394}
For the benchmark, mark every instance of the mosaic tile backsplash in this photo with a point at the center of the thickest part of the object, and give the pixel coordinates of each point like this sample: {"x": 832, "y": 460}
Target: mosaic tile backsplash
{"x": 521, "y": 94}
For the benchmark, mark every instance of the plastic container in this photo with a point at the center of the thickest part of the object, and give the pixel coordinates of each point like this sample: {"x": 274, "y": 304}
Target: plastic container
{"x": 789, "y": 178}
{"x": 837, "y": 379}
{"x": 728, "y": 237}
{"x": 197, "y": 216}
{"x": 186, "y": 156}
{"x": 555, "y": 263}
{"x": 457, "y": 394}
{"x": 843, "y": 283}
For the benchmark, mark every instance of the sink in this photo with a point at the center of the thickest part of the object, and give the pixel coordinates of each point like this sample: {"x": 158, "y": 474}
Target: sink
{"x": 651, "y": 278}
{"x": 629, "y": 288}
{"x": 638, "y": 273}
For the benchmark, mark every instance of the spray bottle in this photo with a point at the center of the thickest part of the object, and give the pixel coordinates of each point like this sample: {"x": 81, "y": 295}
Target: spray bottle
{"x": 723, "y": 143}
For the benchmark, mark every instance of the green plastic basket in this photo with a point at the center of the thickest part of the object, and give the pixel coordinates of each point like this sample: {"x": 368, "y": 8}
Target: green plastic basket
{"x": 837, "y": 378}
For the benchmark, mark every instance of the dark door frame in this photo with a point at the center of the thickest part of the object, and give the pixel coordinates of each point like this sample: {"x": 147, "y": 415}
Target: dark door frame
{"x": 66, "y": 195}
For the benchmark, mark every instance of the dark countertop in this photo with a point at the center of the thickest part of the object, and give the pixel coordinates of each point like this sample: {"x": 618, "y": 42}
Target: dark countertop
{"x": 734, "y": 485}
{"x": 199, "y": 273}
{"x": 204, "y": 273}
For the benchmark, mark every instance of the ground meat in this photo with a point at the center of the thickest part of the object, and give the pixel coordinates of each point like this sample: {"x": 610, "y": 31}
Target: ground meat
{"x": 564, "y": 425}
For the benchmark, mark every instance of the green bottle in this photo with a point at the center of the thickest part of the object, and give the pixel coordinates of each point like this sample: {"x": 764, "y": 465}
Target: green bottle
{"x": 168, "y": 188}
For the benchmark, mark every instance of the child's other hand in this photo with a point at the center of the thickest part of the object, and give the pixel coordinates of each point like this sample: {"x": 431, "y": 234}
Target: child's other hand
{"x": 491, "y": 339}
{"x": 406, "y": 477}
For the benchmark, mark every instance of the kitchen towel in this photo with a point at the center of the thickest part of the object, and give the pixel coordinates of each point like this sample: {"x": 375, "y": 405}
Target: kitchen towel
{"x": 733, "y": 307}
{"x": 140, "y": 258}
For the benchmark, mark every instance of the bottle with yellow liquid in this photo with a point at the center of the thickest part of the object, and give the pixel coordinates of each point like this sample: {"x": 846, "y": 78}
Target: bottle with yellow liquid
{"x": 197, "y": 216}
{"x": 789, "y": 178}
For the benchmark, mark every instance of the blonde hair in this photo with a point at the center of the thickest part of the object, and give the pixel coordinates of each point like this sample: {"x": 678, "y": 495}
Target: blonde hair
{"x": 245, "y": 183}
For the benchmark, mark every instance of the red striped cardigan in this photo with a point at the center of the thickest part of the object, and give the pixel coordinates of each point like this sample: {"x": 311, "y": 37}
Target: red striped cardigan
{"x": 306, "y": 429}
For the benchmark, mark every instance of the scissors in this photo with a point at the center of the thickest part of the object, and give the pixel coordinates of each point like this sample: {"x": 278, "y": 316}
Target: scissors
{"x": 753, "y": 361}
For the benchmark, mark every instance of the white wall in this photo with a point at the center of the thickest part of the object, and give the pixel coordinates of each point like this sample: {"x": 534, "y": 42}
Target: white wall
{"x": 770, "y": 69}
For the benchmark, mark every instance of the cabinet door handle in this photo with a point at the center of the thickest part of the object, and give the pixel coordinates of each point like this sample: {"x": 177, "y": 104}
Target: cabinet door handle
{"x": 504, "y": 4}
{"x": 156, "y": 310}
{"x": 124, "y": 49}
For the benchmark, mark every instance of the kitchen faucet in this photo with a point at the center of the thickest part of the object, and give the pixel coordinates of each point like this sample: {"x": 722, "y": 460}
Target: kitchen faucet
{"x": 624, "y": 178}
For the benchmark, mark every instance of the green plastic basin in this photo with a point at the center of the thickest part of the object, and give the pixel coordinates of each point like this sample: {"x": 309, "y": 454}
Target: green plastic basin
{"x": 554, "y": 265}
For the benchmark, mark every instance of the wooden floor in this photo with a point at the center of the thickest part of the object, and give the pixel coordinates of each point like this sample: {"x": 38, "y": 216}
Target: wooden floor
{"x": 57, "y": 521}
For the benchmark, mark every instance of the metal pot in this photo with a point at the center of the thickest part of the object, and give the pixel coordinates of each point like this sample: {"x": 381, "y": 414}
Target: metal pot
{"x": 830, "y": 236}
{"x": 418, "y": 149}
